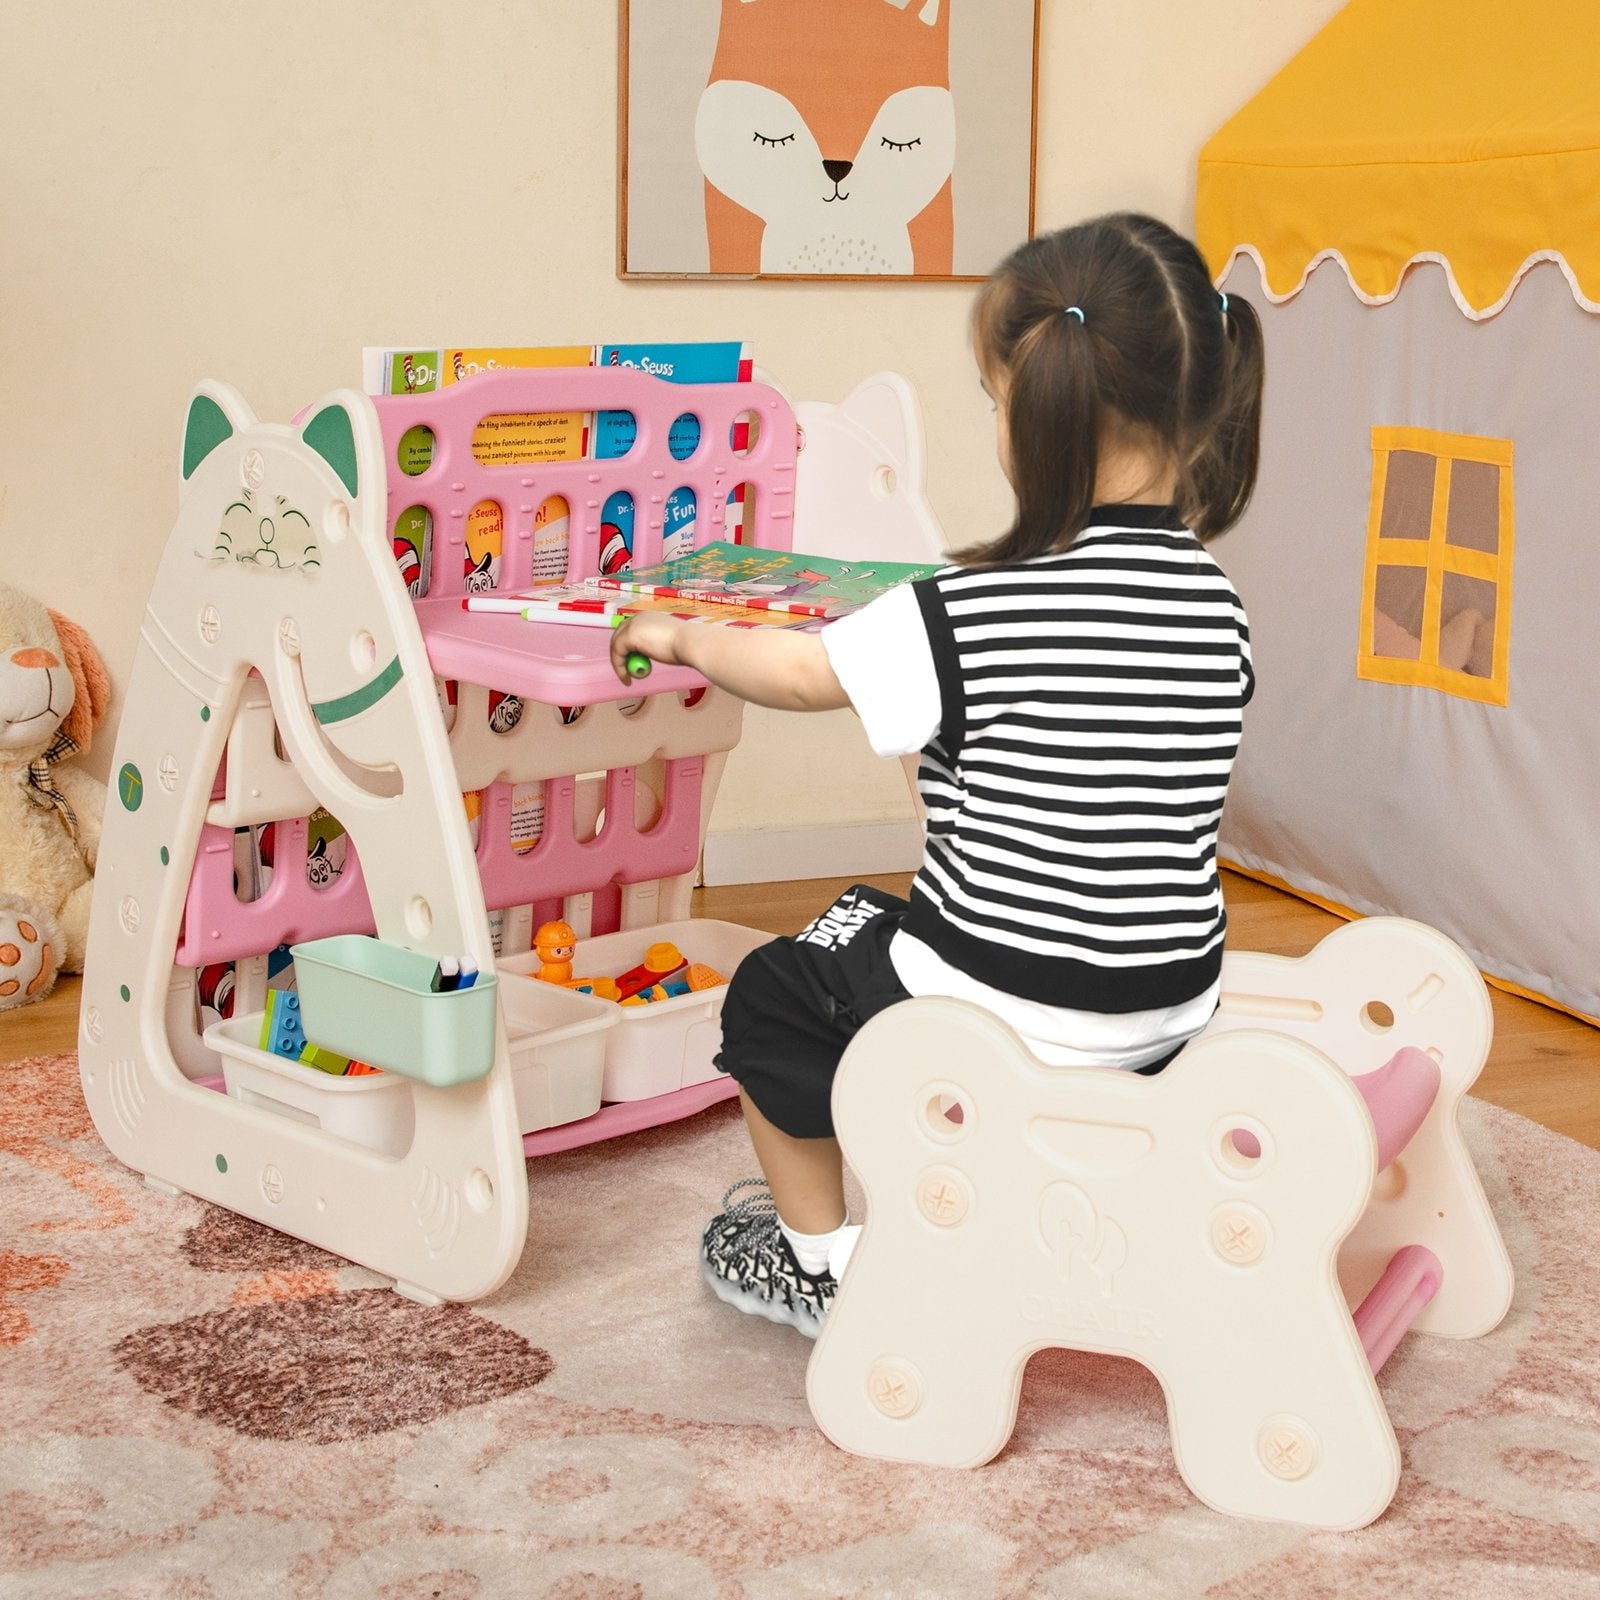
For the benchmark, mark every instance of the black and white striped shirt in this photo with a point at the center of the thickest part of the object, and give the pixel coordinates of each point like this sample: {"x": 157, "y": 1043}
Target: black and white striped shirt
{"x": 1090, "y": 710}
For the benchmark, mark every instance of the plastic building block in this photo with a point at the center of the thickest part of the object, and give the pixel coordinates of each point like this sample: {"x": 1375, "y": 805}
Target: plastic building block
{"x": 314, "y": 1055}
{"x": 281, "y": 1031}
{"x": 692, "y": 979}
{"x": 660, "y": 960}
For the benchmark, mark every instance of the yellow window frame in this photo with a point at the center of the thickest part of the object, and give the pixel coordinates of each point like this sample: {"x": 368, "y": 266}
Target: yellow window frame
{"x": 1438, "y": 557}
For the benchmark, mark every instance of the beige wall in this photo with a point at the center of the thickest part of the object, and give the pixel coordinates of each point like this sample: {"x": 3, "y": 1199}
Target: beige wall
{"x": 254, "y": 191}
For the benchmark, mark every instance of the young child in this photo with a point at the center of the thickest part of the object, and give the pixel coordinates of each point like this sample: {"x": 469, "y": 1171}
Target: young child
{"x": 1076, "y": 688}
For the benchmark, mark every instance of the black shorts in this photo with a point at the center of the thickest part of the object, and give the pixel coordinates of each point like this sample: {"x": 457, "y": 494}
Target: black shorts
{"x": 794, "y": 1004}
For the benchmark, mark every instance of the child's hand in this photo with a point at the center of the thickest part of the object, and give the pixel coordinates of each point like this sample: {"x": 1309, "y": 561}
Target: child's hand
{"x": 650, "y": 634}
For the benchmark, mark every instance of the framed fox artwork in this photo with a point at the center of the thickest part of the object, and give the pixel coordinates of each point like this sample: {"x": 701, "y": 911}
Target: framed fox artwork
{"x": 825, "y": 138}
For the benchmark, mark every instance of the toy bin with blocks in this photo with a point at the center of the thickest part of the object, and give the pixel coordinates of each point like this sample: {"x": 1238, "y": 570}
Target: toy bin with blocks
{"x": 375, "y": 1110}
{"x": 662, "y": 1045}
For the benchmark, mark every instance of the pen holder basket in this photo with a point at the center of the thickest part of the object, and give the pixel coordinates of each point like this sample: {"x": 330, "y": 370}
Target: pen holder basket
{"x": 375, "y": 1001}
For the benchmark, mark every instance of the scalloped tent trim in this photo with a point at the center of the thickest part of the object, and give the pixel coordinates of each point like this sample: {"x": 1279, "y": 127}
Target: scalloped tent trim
{"x": 1462, "y": 132}
{"x": 1382, "y": 297}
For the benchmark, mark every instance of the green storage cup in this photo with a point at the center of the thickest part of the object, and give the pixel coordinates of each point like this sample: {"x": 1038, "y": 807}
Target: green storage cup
{"x": 375, "y": 1002}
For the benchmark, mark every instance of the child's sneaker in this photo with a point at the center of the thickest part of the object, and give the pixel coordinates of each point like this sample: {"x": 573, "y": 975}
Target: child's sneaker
{"x": 748, "y": 1262}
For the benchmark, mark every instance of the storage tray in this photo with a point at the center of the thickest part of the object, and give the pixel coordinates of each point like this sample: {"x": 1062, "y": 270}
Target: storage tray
{"x": 375, "y": 1110}
{"x": 557, "y": 1042}
{"x": 668, "y": 1044}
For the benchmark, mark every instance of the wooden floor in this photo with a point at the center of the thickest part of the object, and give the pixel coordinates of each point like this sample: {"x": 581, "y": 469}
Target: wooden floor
{"x": 1543, "y": 1065}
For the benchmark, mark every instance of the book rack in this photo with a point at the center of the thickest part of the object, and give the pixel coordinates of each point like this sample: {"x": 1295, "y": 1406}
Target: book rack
{"x": 282, "y": 667}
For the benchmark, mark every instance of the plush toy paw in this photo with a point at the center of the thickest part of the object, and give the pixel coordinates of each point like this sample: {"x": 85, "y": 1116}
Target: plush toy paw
{"x": 31, "y": 945}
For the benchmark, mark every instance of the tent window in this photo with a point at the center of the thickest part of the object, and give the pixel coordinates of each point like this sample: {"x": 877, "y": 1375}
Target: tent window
{"x": 1436, "y": 603}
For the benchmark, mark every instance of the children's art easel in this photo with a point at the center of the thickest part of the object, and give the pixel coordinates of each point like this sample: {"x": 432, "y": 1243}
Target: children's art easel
{"x": 282, "y": 666}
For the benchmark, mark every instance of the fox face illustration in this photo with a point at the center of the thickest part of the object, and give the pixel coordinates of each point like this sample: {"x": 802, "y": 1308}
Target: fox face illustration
{"x": 827, "y": 137}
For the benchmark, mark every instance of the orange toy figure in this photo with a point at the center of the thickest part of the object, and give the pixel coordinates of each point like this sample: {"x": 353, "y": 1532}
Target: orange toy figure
{"x": 556, "y": 944}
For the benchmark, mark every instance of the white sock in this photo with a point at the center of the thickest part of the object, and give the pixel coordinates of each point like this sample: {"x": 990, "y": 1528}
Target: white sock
{"x": 811, "y": 1249}
{"x": 844, "y": 1243}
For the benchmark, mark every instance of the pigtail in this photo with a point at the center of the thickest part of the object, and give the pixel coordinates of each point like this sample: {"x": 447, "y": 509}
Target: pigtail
{"x": 1223, "y": 477}
{"x": 1053, "y": 422}
{"x": 1042, "y": 359}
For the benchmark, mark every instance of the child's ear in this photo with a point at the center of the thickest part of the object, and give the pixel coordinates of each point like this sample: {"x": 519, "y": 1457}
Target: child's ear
{"x": 216, "y": 413}
{"x": 331, "y": 434}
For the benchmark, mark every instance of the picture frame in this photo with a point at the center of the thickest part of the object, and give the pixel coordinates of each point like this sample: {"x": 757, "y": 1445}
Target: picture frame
{"x": 901, "y": 143}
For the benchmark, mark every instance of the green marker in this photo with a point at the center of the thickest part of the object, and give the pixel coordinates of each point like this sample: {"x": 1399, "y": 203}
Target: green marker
{"x": 638, "y": 663}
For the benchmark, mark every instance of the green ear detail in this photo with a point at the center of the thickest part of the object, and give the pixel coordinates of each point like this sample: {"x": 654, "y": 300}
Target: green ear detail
{"x": 206, "y": 428}
{"x": 329, "y": 433}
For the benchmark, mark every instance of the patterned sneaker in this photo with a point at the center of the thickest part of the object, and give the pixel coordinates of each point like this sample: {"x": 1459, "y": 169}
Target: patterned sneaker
{"x": 748, "y": 1262}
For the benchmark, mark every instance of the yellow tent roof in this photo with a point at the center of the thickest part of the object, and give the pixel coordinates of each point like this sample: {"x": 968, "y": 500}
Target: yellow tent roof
{"x": 1461, "y": 131}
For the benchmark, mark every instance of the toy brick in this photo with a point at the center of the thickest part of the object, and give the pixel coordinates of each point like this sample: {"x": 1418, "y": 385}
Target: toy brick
{"x": 325, "y": 1060}
{"x": 281, "y": 1030}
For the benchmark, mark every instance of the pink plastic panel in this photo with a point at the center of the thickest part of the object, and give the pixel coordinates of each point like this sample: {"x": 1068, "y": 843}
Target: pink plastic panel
{"x": 456, "y": 481}
{"x": 218, "y": 926}
{"x": 621, "y": 852}
{"x": 629, "y": 1116}
{"x": 553, "y": 664}
{"x": 542, "y": 661}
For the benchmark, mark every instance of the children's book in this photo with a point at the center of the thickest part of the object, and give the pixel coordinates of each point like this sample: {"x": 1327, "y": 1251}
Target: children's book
{"x": 586, "y": 604}
{"x": 780, "y": 581}
{"x": 615, "y": 431}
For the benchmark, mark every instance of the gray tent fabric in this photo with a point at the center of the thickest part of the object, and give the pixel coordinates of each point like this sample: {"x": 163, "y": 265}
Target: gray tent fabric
{"x": 1478, "y": 819}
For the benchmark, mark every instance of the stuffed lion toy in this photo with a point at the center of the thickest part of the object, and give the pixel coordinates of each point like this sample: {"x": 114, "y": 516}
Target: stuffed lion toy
{"x": 54, "y": 688}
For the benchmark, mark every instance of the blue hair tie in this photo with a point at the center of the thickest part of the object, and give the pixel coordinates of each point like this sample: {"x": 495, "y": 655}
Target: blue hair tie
{"x": 1224, "y": 300}
{"x": 1072, "y": 311}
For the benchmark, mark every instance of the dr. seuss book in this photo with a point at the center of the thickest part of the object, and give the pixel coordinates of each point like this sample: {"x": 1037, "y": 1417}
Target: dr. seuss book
{"x": 767, "y": 580}
{"x": 615, "y": 431}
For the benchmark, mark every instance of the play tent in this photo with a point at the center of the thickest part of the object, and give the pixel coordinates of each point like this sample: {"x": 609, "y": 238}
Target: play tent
{"x": 1413, "y": 204}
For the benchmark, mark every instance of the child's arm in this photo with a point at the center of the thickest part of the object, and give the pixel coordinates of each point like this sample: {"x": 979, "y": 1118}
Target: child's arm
{"x": 770, "y": 666}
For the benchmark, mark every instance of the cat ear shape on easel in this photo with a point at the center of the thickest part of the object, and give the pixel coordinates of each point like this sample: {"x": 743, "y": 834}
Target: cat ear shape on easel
{"x": 331, "y": 434}
{"x": 217, "y": 411}
{"x": 342, "y": 428}
{"x": 886, "y": 406}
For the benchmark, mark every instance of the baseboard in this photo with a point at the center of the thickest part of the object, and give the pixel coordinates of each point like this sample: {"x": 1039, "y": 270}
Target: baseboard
{"x": 775, "y": 855}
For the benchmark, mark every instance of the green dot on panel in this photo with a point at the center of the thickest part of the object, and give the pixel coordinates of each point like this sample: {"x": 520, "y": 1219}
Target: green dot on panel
{"x": 205, "y": 713}
{"x": 130, "y": 786}
{"x": 165, "y": 858}
{"x": 123, "y": 991}
{"x": 222, "y": 1163}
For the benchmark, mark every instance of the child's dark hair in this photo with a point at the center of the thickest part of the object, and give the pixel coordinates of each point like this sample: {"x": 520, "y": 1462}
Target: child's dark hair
{"x": 1106, "y": 331}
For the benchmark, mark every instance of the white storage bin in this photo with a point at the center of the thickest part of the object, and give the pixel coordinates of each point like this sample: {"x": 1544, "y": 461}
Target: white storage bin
{"x": 557, "y": 1041}
{"x": 668, "y": 1044}
{"x": 374, "y": 1110}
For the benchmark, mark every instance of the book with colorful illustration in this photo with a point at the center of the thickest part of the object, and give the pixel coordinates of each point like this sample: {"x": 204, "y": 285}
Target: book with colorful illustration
{"x": 781, "y": 581}
{"x": 586, "y": 604}
{"x": 614, "y": 432}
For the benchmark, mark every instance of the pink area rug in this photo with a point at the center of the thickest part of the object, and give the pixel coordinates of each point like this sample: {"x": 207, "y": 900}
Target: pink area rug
{"x": 194, "y": 1406}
